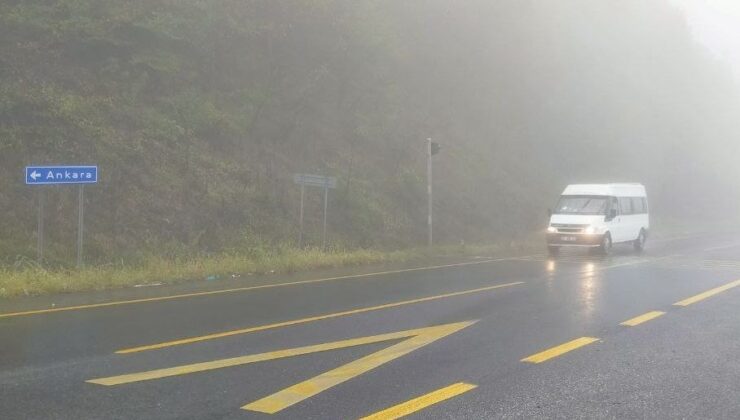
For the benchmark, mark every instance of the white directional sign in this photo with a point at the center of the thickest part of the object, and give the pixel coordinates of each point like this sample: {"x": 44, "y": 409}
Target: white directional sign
{"x": 315, "y": 180}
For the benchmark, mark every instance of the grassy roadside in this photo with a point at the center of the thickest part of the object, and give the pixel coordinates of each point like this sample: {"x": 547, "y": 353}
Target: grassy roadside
{"x": 30, "y": 279}
{"x": 35, "y": 280}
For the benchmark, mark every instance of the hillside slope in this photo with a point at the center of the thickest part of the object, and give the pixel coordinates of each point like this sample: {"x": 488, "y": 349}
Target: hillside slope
{"x": 199, "y": 111}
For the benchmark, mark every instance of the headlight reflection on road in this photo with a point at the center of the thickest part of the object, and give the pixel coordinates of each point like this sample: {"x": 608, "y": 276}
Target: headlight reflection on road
{"x": 550, "y": 272}
{"x": 589, "y": 286}
{"x": 589, "y": 269}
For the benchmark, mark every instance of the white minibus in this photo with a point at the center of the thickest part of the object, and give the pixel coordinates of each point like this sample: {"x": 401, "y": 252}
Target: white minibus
{"x": 599, "y": 215}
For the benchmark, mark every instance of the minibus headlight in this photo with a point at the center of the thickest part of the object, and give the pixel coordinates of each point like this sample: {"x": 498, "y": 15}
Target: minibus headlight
{"x": 551, "y": 229}
{"x": 590, "y": 230}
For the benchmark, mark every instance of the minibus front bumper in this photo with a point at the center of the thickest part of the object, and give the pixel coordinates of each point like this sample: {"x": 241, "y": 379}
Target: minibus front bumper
{"x": 574, "y": 239}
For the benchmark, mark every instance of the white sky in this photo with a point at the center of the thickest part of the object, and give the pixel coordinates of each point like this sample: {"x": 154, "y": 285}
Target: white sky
{"x": 716, "y": 24}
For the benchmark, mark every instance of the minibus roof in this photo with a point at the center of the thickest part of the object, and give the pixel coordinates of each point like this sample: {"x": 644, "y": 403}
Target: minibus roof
{"x": 614, "y": 189}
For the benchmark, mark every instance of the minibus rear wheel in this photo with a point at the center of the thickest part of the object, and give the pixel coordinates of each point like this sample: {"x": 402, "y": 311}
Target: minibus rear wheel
{"x": 639, "y": 243}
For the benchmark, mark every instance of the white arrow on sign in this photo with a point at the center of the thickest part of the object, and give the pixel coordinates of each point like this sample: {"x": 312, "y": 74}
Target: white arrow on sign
{"x": 35, "y": 175}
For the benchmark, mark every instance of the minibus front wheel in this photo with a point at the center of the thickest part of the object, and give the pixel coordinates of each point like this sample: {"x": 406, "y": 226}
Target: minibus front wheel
{"x": 606, "y": 244}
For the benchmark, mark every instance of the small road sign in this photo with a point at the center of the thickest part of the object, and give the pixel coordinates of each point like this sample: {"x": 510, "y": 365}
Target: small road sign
{"x": 58, "y": 175}
{"x": 321, "y": 181}
{"x": 315, "y": 180}
{"x": 45, "y": 175}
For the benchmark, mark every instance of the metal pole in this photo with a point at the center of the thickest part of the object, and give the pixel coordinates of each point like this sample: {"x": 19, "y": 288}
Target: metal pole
{"x": 429, "y": 191}
{"x": 300, "y": 223}
{"x": 40, "y": 229}
{"x": 80, "y": 224}
{"x": 326, "y": 201}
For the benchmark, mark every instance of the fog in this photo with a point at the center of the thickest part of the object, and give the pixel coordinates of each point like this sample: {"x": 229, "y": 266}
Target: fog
{"x": 587, "y": 91}
{"x": 199, "y": 113}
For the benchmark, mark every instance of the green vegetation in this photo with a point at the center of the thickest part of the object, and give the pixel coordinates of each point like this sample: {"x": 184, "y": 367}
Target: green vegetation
{"x": 199, "y": 111}
{"x": 30, "y": 279}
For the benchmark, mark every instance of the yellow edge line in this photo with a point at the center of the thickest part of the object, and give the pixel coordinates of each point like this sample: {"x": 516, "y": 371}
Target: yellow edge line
{"x": 642, "y": 318}
{"x": 238, "y": 289}
{"x": 417, "y": 404}
{"x": 708, "y": 293}
{"x": 559, "y": 350}
{"x": 306, "y": 320}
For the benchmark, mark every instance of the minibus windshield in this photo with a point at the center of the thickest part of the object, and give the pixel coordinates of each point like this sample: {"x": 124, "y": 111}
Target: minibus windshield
{"x": 581, "y": 204}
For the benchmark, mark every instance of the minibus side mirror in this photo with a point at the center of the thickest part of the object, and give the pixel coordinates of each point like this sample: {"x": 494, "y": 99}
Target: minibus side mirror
{"x": 549, "y": 213}
{"x": 612, "y": 214}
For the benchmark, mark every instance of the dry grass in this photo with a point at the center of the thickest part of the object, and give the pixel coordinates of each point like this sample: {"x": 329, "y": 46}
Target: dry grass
{"x": 35, "y": 280}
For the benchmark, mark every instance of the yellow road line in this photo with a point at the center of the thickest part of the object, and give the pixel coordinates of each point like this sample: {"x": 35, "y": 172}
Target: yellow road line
{"x": 708, "y": 293}
{"x": 420, "y": 403}
{"x": 419, "y": 337}
{"x": 306, "y": 320}
{"x": 239, "y": 289}
{"x": 642, "y": 318}
{"x": 299, "y": 392}
{"x": 559, "y": 350}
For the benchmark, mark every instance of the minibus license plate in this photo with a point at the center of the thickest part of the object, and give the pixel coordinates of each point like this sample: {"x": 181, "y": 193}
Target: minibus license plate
{"x": 568, "y": 238}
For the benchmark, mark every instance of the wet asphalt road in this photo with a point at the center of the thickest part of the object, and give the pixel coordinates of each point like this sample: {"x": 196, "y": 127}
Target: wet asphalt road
{"x": 683, "y": 363}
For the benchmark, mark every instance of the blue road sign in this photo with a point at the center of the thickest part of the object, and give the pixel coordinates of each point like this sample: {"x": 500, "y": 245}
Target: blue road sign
{"x": 44, "y": 175}
{"x": 315, "y": 180}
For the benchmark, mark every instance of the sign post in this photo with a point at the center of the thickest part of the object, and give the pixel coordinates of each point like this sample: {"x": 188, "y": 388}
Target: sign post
{"x": 58, "y": 175}
{"x": 300, "y": 229}
{"x": 40, "y": 228}
{"x": 432, "y": 149}
{"x": 324, "y": 182}
{"x": 429, "y": 192}
{"x": 80, "y": 224}
{"x": 326, "y": 204}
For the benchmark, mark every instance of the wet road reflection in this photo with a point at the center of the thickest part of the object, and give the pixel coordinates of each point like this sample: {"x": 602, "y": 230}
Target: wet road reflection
{"x": 589, "y": 285}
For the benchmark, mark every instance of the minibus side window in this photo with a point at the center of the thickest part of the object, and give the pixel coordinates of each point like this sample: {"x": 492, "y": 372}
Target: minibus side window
{"x": 614, "y": 205}
{"x": 625, "y": 204}
{"x": 638, "y": 205}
